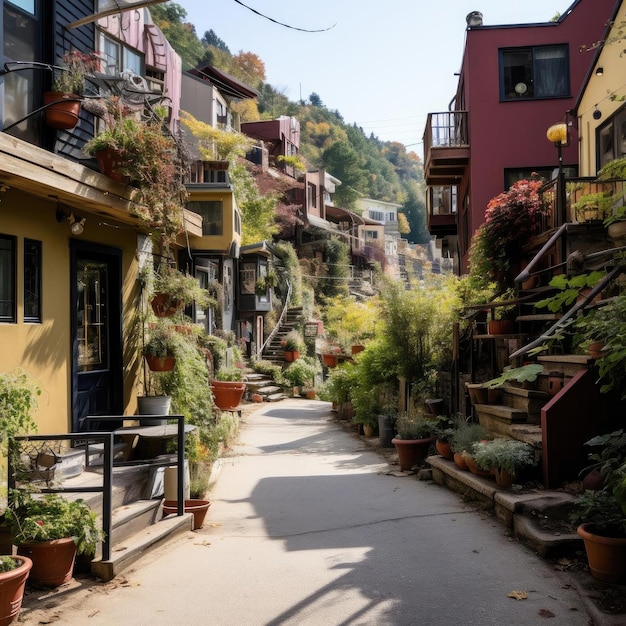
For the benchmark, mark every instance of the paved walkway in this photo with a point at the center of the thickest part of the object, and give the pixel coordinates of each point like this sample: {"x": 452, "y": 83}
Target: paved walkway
{"x": 308, "y": 528}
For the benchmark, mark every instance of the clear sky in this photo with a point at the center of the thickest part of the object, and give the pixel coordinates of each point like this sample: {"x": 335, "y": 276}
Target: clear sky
{"x": 384, "y": 65}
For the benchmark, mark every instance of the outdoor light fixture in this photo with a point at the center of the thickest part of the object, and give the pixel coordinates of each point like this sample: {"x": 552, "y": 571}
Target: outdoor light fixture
{"x": 76, "y": 226}
{"x": 597, "y": 114}
{"x": 599, "y": 71}
{"x": 557, "y": 134}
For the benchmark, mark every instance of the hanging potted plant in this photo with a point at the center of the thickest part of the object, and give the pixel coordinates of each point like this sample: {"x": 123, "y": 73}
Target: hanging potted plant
{"x": 67, "y": 88}
{"x": 173, "y": 290}
{"x": 161, "y": 347}
{"x": 50, "y": 530}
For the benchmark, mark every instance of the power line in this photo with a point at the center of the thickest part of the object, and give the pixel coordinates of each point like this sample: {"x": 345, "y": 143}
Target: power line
{"x": 321, "y": 30}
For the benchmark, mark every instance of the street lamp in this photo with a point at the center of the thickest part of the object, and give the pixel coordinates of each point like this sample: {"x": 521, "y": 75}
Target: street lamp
{"x": 558, "y": 135}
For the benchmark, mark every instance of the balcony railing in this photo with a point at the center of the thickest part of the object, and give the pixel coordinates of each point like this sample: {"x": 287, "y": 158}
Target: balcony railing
{"x": 446, "y": 130}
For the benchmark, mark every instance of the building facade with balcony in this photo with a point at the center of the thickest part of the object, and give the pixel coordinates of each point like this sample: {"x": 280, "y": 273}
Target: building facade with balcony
{"x": 515, "y": 82}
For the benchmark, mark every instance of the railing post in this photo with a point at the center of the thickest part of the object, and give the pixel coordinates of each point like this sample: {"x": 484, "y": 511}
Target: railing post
{"x": 181, "y": 465}
{"x": 107, "y": 505}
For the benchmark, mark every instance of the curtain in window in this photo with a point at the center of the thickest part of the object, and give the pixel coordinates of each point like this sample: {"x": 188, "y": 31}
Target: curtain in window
{"x": 550, "y": 72}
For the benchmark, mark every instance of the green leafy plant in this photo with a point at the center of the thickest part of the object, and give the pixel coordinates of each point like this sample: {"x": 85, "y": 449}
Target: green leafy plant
{"x": 230, "y": 374}
{"x": 522, "y": 374}
{"x": 18, "y": 400}
{"x": 51, "y": 516}
{"x": 301, "y": 373}
{"x": 8, "y": 563}
{"x": 293, "y": 342}
{"x": 569, "y": 290}
{"x": 162, "y": 341}
{"x": 466, "y": 435}
{"x": 415, "y": 427}
{"x": 181, "y": 287}
{"x": 509, "y": 455}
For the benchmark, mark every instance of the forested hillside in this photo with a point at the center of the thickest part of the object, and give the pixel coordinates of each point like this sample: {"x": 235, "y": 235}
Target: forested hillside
{"x": 366, "y": 166}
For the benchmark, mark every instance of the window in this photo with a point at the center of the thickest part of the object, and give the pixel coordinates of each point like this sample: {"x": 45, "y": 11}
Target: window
{"x": 311, "y": 195}
{"x": 7, "y": 278}
{"x": 511, "y": 176}
{"x": 248, "y": 278}
{"x": 539, "y": 72}
{"x": 611, "y": 139}
{"x": 22, "y": 89}
{"x": 206, "y": 273}
{"x": 379, "y": 216}
{"x": 371, "y": 234}
{"x": 116, "y": 57}
{"x": 211, "y": 212}
{"x": 32, "y": 280}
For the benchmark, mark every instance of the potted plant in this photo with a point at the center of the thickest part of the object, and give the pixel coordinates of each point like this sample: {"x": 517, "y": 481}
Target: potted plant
{"x": 228, "y": 387}
{"x": 51, "y": 530}
{"x": 414, "y": 437}
{"x": 63, "y": 103}
{"x": 463, "y": 440}
{"x": 506, "y": 458}
{"x": 173, "y": 290}
{"x": 301, "y": 373}
{"x": 161, "y": 347}
{"x": 601, "y": 513}
{"x": 293, "y": 346}
{"x": 14, "y": 571}
{"x": 445, "y": 427}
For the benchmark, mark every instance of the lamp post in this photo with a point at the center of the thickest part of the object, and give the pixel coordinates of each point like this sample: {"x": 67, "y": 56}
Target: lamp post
{"x": 558, "y": 135}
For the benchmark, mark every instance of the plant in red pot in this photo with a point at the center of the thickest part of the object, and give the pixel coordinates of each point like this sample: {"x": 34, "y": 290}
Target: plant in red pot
{"x": 228, "y": 387}
{"x": 50, "y": 530}
{"x": 601, "y": 513}
{"x": 414, "y": 438}
{"x": 293, "y": 346}
{"x": 63, "y": 103}
{"x": 506, "y": 458}
{"x": 14, "y": 571}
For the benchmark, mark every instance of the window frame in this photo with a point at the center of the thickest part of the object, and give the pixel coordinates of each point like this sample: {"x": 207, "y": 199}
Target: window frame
{"x": 33, "y": 318}
{"x": 502, "y": 52}
{"x": 11, "y": 274}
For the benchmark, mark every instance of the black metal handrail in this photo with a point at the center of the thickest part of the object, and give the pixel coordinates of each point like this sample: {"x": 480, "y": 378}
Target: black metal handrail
{"x": 106, "y": 488}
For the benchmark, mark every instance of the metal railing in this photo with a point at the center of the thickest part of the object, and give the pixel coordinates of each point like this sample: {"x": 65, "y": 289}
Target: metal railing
{"x": 106, "y": 488}
{"x": 447, "y": 129}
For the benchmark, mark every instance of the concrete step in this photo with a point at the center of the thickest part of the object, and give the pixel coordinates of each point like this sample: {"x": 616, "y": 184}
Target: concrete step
{"x": 567, "y": 364}
{"x": 134, "y": 517}
{"x": 268, "y": 390}
{"x": 131, "y": 549}
{"x": 530, "y": 401}
{"x": 530, "y": 514}
{"x": 275, "y": 397}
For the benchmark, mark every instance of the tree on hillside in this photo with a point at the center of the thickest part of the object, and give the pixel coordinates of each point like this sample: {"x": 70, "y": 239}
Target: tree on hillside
{"x": 414, "y": 209}
{"x": 315, "y": 100}
{"x": 170, "y": 18}
{"x": 342, "y": 161}
{"x": 248, "y": 67}
{"x": 211, "y": 39}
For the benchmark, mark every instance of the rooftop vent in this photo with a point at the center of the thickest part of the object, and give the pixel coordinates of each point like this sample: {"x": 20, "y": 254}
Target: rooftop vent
{"x": 475, "y": 18}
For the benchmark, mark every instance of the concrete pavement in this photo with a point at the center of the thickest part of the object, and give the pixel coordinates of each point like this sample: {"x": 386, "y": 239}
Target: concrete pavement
{"x": 307, "y": 527}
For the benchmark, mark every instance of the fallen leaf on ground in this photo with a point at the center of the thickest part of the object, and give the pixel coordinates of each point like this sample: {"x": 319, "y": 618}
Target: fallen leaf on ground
{"x": 518, "y": 595}
{"x": 546, "y": 613}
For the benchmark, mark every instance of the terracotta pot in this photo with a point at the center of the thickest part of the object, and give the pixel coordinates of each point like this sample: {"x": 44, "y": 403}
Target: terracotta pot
{"x": 109, "y": 162}
{"x": 595, "y": 349}
{"x": 311, "y": 394}
{"x": 617, "y": 230}
{"x": 593, "y": 480}
{"x": 53, "y": 561}
{"x": 444, "y": 449}
{"x": 199, "y": 509}
{"x": 459, "y": 459}
{"x": 164, "y": 305}
{"x": 227, "y": 395}
{"x": 12, "y": 590}
{"x": 503, "y": 478}
{"x": 329, "y": 360}
{"x": 606, "y": 555}
{"x": 256, "y": 397}
{"x": 473, "y": 467}
{"x": 357, "y": 348}
{"x": 160, "y": 364}
{"x": 368, "y": 430}
{"x": 63, "y": 115}
{"x": 291, "y": 356}
{"x": 411, "y": 451}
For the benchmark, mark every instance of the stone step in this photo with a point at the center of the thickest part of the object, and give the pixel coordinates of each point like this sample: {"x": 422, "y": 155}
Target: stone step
{"x": 529, "y": 433}
{"x": 275, "y": 397}
{"x": 268, "y": 390}
{"x": 257, "y": 385}
{"x": 567, "y": 364}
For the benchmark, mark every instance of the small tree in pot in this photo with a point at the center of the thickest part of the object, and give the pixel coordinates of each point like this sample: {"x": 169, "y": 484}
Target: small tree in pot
{"x": 414, "y": 438}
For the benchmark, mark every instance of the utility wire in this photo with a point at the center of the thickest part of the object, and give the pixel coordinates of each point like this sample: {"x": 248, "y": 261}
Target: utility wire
{"x": 304, "y": 30}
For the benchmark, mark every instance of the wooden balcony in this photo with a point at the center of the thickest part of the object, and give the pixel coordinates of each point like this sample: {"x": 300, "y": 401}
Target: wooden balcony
{"x": 446, "y": 148}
